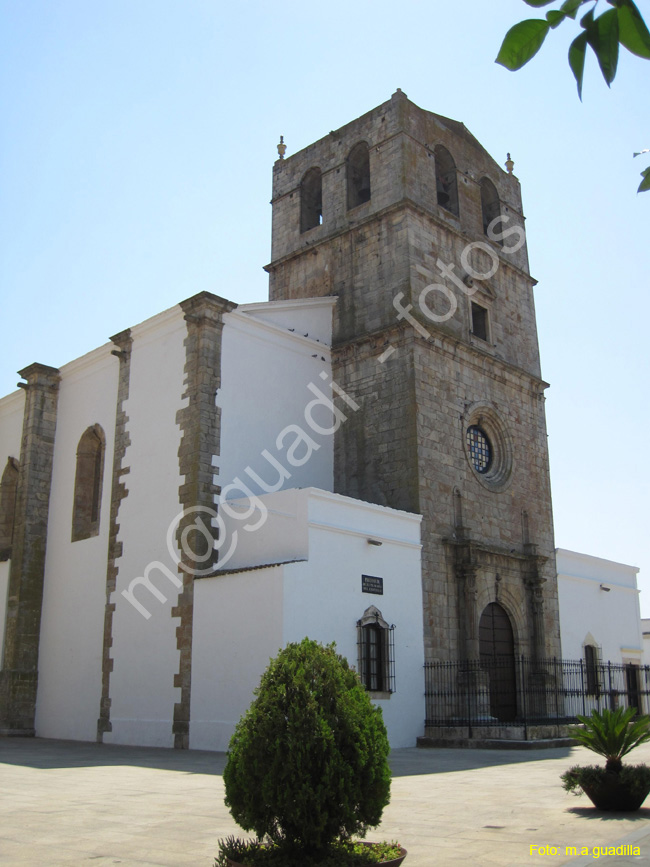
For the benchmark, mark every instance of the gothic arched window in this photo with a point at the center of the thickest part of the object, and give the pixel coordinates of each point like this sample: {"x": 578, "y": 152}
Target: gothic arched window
{"x": 8, "y": 489}
{"x": 88, "y": 484}
{"x": 490, "y": 206}
{"x": 446, "y": 180}
{"x": 311, "y": 200}
{"x": 358, "y": 175}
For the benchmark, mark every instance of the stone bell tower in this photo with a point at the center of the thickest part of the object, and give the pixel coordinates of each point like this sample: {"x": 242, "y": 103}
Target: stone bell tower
{"x": 397, "y": 213}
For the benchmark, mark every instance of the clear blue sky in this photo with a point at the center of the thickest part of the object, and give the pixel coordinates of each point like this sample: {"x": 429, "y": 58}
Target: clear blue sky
{"x": 137, "y": 145}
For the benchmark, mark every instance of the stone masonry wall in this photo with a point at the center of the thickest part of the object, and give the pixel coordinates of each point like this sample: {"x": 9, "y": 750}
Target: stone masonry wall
{"x": 19, "y": 677}
{"x": 421, "y": 383}
{"x": 200, "y": 423}
{"x": 119, "y": 491}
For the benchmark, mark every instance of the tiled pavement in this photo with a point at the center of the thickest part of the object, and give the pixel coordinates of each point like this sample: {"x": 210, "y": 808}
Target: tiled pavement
{"x": 64, "y": 803}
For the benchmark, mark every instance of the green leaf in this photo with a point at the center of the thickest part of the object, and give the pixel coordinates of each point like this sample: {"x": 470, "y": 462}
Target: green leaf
{"x": 538, "y": 3}
{"x": 602, "y": 35}
{"x": 587, "y": 20}
{"x": 570, "y": 7}
{"x": 554, "y": 18}
{"x": 577, "y": 52}
{"x": 644, "y": 186}
{"x": 632, "y": 31}
{"x": 522, "y": 42}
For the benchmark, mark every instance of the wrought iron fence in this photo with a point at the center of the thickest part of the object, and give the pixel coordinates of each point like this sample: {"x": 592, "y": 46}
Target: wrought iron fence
{"x": 521, "y": 691}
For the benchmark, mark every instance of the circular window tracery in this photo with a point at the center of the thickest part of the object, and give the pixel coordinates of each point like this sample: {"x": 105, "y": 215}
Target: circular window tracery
{"x": 488, "y": 446}
{"x": 480, "y": 449}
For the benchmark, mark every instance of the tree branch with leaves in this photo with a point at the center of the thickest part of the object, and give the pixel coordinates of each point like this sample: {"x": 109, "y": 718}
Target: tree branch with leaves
{"x": 620, "y": 25}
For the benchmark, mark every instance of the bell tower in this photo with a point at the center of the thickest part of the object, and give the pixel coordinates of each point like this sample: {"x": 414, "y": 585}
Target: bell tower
{"x": 405, "y": 217}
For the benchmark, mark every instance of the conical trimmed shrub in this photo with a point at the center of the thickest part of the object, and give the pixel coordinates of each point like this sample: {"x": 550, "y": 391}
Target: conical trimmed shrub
{"x": 307, "y": 764}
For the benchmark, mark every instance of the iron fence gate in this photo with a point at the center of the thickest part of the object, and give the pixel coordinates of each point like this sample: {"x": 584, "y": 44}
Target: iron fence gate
{"x": 506, "y": 691}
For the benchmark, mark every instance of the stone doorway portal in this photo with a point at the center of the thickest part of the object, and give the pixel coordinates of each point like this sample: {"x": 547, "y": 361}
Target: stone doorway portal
{"x": 497, "y": 652}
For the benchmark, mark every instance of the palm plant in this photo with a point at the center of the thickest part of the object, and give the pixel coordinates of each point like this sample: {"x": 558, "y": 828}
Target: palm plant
{"x": 612, "y": 734}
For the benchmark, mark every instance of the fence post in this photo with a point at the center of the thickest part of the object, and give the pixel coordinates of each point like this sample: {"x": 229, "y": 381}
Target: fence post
{"x": 469, "y": 703}
{"x": 426, "y": 696}
{"x": 582, "y": 690}
{"x": 523, "y": 697}
{"x": 609, "y": 677}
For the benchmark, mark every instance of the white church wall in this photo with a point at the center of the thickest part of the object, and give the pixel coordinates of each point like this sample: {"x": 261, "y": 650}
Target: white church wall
{"x": 260, "y": 530}
{"x": 74, "y": 589}
{"x": 242, "y": 618}
{"x": 645, "y": 630}
{"x": 599, "y": 603}
{"x": 308, "y": 317}
{"x": 144, "y": 650}
{"x": 237, "y": 629}
{"x": 271, "y": 386}
{"x": 323, "y": 598}
{"x": 11, "y": 425}
{"x": 266, "y": 371}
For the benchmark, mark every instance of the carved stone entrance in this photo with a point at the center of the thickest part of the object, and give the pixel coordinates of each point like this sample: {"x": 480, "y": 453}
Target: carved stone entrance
{"x": 497, "y": 655}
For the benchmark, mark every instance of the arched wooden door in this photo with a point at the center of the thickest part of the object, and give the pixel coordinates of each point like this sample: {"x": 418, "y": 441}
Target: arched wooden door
{"x": 497, "y": 650}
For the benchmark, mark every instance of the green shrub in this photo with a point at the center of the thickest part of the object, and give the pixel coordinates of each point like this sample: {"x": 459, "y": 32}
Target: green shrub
{"x": 345, "y": 854}
{"x": 307, "y": 764}
{"x": 612, "y": 734}
{"x": 635, "y": 777}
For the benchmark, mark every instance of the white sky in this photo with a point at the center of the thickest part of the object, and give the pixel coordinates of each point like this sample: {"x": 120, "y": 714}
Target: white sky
{"x": 136, "y": 157}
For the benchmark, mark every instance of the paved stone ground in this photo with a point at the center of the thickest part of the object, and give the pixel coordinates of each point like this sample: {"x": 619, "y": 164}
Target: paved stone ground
{"x": 64, "y": 803}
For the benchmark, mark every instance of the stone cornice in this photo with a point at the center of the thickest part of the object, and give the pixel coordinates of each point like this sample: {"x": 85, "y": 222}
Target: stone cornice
{"x": 471, "y": 548}
{"x": 39, "y": 375}
{"x": 449, "y": 345}
{"x": 123, "y": 339}
{"x": 205, "y": 304}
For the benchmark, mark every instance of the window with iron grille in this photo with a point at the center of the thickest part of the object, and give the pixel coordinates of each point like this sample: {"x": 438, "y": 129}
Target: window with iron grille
{"x": 480, "y": 449}
{"x": 376, "y": 649}
{"x": 592, "y": 686}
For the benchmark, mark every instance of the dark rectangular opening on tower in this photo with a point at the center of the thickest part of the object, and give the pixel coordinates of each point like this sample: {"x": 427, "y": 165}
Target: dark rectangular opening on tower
{"x": 479, "y": 321}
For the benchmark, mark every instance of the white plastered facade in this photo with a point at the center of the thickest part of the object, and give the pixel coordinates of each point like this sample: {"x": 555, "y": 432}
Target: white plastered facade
{"x": 599, "y": 606}
{"x": 276, "y": 433}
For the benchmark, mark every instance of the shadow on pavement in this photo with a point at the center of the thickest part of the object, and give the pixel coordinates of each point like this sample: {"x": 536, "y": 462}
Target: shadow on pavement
{"x": 592, "y": 813}
{"x": 50, "y": 754}
{"x": 414, "y": 761}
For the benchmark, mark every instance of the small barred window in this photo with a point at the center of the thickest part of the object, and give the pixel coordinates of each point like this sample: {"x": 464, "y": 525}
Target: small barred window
{"x": 591, "y": 669}
{"x": 479, "y": 321}
{"x": 376, "y": 648}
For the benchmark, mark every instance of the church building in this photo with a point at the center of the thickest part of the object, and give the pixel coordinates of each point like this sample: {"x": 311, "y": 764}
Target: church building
{"x": 361, "y": 459}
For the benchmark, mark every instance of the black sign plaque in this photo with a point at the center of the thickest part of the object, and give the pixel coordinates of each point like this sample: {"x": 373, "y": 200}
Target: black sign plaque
{"x": 371, "y": 584}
